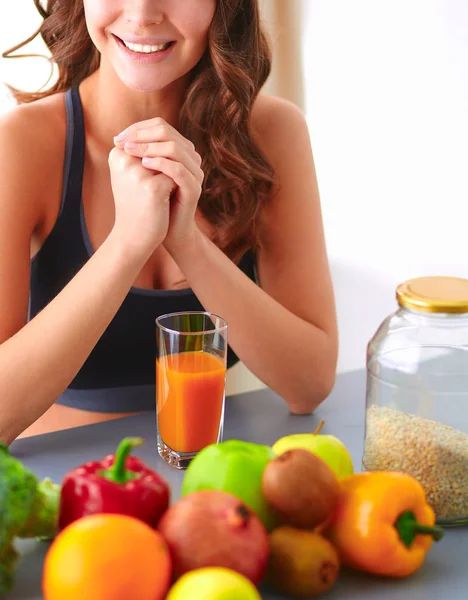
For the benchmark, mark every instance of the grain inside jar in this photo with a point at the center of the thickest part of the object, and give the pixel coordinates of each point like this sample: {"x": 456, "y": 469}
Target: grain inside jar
{"x": 433, "y": 453}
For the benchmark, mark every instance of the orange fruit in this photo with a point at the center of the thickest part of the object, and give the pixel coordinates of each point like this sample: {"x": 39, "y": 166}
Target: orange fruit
{"x": 107, "y": 557}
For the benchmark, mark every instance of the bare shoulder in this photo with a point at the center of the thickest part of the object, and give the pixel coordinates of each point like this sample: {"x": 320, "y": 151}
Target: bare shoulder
{"x": 32, "y": 138}
{"x": 40, "y": 123}
{"x": 276, "y": 123}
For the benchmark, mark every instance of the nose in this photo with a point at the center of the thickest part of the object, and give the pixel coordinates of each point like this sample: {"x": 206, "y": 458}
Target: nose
{"x": 144, "y": 12}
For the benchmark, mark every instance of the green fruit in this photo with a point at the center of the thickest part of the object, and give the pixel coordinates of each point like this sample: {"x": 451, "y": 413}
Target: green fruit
{"x": 327, "y": 447}
{"x": 235, "y": 467}
{"x": 213, "y": 583}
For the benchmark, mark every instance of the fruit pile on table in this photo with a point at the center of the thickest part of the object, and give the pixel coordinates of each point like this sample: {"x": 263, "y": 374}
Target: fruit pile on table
{"x": 289, "y": 515}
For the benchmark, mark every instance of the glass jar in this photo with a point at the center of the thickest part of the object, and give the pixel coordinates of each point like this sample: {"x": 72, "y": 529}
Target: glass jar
{"x": 417, "y": 393}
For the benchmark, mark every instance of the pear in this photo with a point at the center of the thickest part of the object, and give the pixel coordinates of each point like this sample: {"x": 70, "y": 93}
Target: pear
{"x": 328, "y": 447}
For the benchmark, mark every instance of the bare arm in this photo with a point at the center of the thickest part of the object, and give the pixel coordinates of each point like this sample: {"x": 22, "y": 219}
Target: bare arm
{"x": 39, "y": 359}
{"x": 284, "y": 331}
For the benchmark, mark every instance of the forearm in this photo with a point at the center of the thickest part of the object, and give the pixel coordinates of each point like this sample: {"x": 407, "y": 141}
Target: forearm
{"x": 290, "y": 355}
{"x": 39, "y": 362}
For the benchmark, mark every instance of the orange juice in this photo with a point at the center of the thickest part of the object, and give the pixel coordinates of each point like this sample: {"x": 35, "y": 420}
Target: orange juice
{"x": 190, "y": 394}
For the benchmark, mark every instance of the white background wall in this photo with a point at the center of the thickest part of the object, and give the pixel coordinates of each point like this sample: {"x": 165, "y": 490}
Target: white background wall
{"x": 387, "y": 102}
{"x": 386, "y": 99}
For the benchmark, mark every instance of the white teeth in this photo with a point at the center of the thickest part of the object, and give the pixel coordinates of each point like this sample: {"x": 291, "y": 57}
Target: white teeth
{"x": 145, "y": 49}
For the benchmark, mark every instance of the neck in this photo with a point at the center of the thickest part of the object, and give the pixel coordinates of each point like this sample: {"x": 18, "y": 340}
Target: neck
{"x": 110, "y": 107}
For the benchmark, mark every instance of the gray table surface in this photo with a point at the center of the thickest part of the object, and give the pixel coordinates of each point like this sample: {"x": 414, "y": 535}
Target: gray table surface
{"x": 258, "y": 417}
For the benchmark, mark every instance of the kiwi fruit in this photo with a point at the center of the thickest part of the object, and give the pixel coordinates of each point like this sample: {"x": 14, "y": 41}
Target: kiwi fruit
{"x": 301, "y": 487}
{"x": 302, "y": 564}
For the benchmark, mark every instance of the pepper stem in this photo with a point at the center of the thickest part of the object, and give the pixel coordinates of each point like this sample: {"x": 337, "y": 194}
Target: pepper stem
{"x": 118, "y": 473}
{"x": 408, "y": 528}
{"x": 319, "y": 428}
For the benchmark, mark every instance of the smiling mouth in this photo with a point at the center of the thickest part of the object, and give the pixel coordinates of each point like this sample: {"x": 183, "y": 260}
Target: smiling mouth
{"x": 144, "y": 48}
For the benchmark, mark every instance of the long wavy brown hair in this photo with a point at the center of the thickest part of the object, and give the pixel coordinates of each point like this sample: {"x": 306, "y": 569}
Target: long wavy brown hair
{"x": 215, "y": 115}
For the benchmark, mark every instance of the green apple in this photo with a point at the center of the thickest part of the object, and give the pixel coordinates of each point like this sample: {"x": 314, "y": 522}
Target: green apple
{"x": 328, "y": 447}
{"x": 235, "y": 467}
{"x": 213, "y": 583}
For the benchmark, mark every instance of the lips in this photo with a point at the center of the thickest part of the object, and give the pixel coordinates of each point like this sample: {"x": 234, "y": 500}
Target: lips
{"x": 143, "y": 41}
{"x": 145, "y": 50}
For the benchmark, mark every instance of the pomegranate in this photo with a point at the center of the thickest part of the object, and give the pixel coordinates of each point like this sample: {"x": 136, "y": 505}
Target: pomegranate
{"x": 211, "y": 528}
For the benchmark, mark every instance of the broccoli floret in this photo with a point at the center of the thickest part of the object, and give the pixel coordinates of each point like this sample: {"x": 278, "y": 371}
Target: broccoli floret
{"x": 28, "y": 508}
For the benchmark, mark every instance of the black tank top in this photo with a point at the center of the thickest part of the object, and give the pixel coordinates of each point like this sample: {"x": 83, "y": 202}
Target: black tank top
{"x": 119, "y": 374}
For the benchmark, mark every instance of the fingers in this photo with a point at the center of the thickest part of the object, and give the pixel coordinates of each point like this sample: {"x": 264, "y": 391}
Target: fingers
{"x": 176, "y": 171}
{"x": 121, "y": 161}
{"x": 156, "y": 138}
{"x": 152, "y": 130}
{"x": 163, "y": 149}
{"x": 118, "y": 156}
{"x": 163, "y": 186}
{"x": 171, "y": 150}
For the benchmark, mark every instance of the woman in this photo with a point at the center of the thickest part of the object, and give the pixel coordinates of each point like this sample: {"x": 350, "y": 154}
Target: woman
{"x": 154, "y": 177}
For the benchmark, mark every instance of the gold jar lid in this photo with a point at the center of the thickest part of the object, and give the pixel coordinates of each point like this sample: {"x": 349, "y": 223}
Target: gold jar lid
{"x": 435, "y": 294}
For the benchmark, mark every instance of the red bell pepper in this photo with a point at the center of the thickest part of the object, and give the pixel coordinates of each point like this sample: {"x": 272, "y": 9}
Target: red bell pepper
{"x": 119, "y": 484}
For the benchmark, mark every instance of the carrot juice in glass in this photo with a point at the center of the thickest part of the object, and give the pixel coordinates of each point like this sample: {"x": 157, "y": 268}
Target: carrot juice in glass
{"x": 190, "y": 384}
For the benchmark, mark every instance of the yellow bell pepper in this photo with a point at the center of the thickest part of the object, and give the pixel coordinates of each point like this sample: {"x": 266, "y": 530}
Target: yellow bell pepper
{"x": 382, "y": 524}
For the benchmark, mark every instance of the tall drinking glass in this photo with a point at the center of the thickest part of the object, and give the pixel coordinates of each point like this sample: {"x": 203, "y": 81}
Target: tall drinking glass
{"x": 190, "y": 384}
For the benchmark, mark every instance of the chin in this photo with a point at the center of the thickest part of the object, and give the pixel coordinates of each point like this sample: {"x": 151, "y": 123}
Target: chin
{"x": 145, "y": 84}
